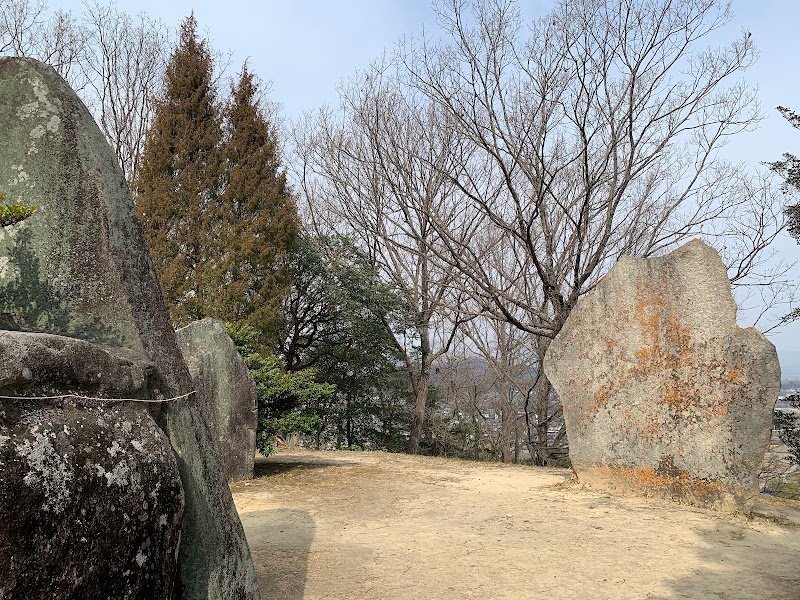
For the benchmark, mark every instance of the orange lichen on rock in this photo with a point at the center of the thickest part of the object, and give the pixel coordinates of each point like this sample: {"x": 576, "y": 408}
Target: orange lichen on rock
{"x": 680, "y": 396}
{"x": 670, "y": 345}
{"x": 647, "y": 479}
{"x": 601, "y": 396}
{"x": 732, "y": 375}
{"x": 671, "y": 352}
{"x": 658, "y": 369}
{"x": 650, "y": 429}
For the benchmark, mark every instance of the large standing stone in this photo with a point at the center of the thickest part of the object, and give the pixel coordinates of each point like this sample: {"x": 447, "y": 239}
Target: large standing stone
{"x": 80, "y": 267}
{"x": 90, "y": 496}
{"x": 662, "y": 392}
{"x": 226, "y": 394}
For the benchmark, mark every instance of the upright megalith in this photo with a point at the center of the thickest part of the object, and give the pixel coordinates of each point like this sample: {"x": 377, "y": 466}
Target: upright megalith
{"x": 80, "y": 267}
{"x": 226, "y": 394}
{"x": 90, "y": 496}
{"x": 662, "y": 392}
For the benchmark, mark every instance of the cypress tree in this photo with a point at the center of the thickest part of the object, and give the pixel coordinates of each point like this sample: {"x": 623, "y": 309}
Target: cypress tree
{"x": 257, "y": 216}
{"x": 178, "y": 178}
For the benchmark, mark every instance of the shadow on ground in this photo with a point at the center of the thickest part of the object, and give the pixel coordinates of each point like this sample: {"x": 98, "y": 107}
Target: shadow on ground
{"x": 725, "y": 548}
{"x": 277, "y": 464}
{"x": 280, "y": 542}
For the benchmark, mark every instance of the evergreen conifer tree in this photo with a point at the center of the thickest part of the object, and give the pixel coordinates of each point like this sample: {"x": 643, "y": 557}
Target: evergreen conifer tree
{"x": 178, "y": 179}
{"x": 257, "y": 214}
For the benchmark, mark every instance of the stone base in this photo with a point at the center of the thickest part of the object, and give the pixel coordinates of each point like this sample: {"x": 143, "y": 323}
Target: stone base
{"x": 90, "y": 501}
{"x": 679, "y": 486}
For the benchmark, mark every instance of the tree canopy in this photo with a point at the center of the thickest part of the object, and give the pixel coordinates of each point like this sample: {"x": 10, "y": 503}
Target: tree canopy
{"x": 789, "y": 169}
{"x": 212, "y": 196}
{"x": 256, "y": 216}
{"x": 177, "y": 182}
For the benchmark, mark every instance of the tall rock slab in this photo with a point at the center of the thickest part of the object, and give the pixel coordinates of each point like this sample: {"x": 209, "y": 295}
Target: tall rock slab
{"x": 80, "y": 267}
{"x": 662, "y": 392}
{"x": 226, "y": 394}
{"x": 90, "y": 496}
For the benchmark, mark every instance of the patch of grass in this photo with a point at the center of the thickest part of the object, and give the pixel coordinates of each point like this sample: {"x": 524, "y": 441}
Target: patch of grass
{"x": 785, "y": 488}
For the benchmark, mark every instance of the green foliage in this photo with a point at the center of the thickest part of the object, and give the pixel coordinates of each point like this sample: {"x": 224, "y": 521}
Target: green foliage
{"x": 288, "y": 402}
{"x": 338, "y": 380}
{"x": 788, "y": 426}
{"x": 338, "y": 320}
{"x": 788, "y": 487}
{"x": 14, "y": 213}
{"x": 257, "y": 221}
{"x": 793, "y": 213}
{"x": 789, "y": 169}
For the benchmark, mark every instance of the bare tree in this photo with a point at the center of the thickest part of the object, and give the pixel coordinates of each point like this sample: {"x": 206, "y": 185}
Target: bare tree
{"x": 379, "y": 170}
{"x": 115, "y": 62}
{"x": 125, "y": 73}
{"x": 29, "y": 28}
{"x": 592, "y": 133}
{"x": 517, "y": 400}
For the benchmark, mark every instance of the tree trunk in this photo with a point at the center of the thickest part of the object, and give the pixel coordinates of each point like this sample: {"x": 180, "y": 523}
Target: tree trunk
{"x": 422, "y": 387}
{"x": 418, "y": 417}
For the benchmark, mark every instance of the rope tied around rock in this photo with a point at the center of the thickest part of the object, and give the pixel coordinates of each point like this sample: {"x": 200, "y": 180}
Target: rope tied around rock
{"x": 80, "y": 397}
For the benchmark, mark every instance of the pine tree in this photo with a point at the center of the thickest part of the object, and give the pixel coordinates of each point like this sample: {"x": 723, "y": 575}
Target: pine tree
{"x": 257, "y": 216}
{"x": 178, "y": 178}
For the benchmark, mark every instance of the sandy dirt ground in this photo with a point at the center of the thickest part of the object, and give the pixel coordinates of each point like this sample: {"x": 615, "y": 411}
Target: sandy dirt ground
{"x": 352, "y": 526}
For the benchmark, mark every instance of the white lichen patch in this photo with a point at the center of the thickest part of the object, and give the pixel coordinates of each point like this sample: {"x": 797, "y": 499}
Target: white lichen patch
{"x": 3, "y": 440}
{"x": 10, "y": 232}
{"x": 141, "y": 558}
{"x": 54, "y": 124}
{"x": 120, "y": 475}
{"x": 155, "y": 490}
{"x": 114, "y": 449}
{"x": 19, "y": 178}
{"x": 137, "y": 445}
{"x": 5, "y": 267}
{"x": 41, "y": 106}
{"x": 37, "y": 132}
{"x": 47, "y": 470}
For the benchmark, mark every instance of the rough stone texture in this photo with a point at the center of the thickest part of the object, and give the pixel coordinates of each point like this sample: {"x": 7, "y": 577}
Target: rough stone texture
{"x": 90, "y": 496}
{"x": 53, "y": 364}
{"x": 662, "y": 392}
{"x": 80, "y": 267}
{"x": 226, "y": 394}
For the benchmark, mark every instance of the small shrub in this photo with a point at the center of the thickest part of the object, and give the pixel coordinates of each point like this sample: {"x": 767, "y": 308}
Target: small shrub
{"x": 288, "y": 402}
{"x": 14, "y": 213}
{"x": 787, "y": 425}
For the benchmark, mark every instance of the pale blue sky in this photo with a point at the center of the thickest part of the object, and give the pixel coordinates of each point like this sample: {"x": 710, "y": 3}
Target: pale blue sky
{"x": 306, "y": 47}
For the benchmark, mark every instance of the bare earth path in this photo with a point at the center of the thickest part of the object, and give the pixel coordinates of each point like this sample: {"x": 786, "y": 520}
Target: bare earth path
{"x": 352, "y": 526}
